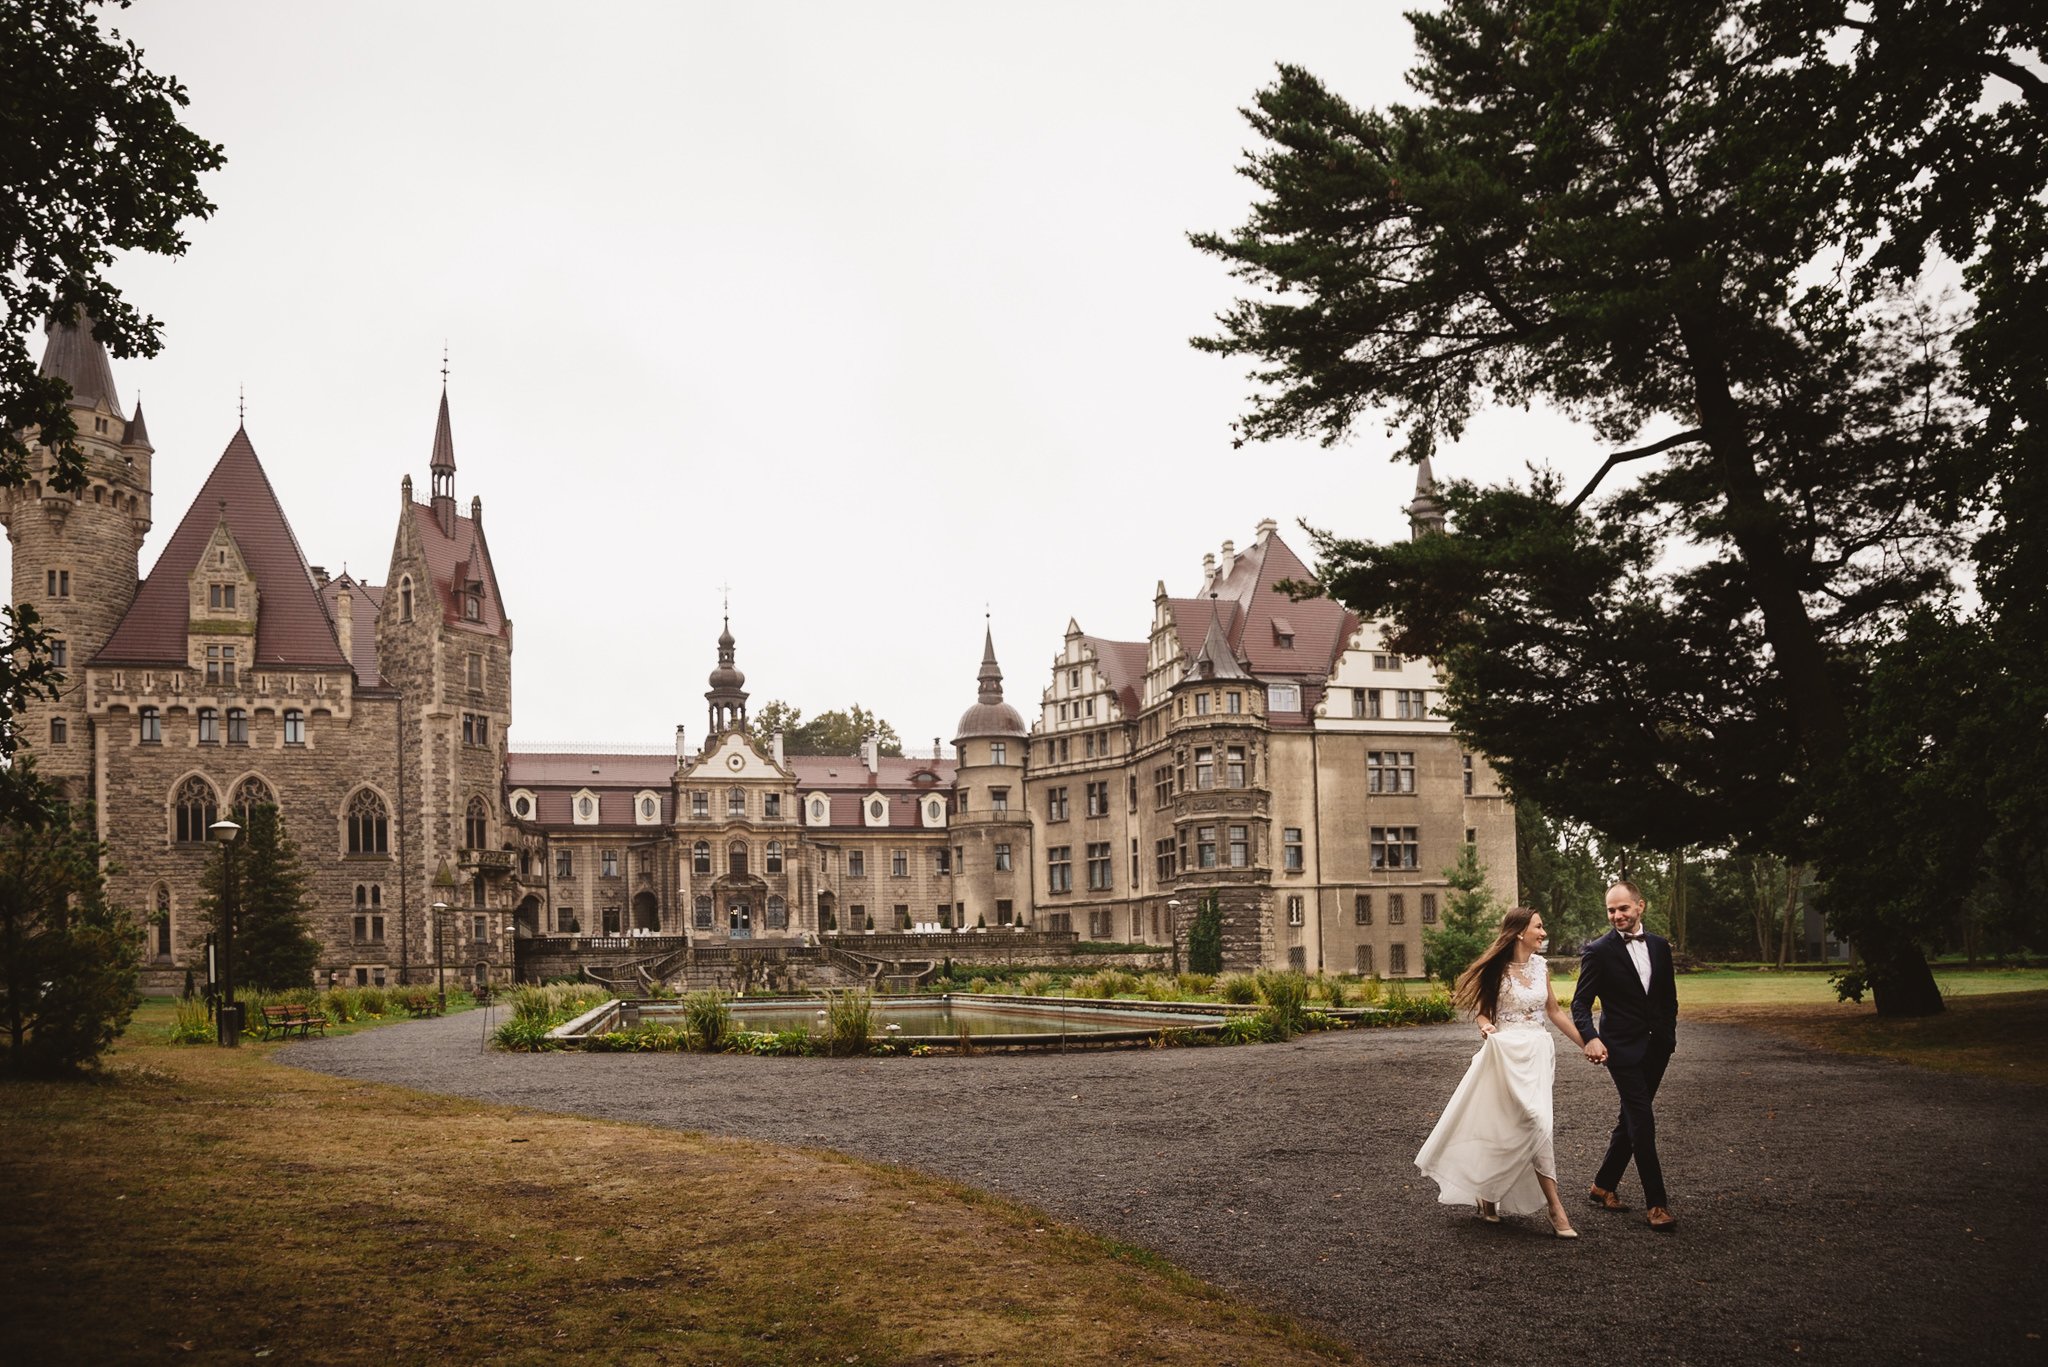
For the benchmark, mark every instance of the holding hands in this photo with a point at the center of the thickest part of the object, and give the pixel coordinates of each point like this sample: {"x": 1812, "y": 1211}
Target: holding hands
{"x": 1596, "y": 1051}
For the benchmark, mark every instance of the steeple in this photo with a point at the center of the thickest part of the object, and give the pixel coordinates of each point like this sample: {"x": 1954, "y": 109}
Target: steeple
{"x": 990, "y": 715}
{"x": 991, "y": 677}
{"x": 1426, "y": 513}
{"x": 1216, "y": 659}
{"x": 727, "y": 695}
{"x": 138, "y": 432}
{"x": 75, "y": 356}
{"x": 442, "y": 467}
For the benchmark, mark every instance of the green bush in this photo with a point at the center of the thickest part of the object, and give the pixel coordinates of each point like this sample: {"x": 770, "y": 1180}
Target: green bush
{"x": 525, "y": 1035}
{"x": 1205, "y": 938}
{"x": 707, "y": 1020}
{"x": 1286, "y": 997}
{"x": 1159, "y": 987}
{"x": 1197, "y": 984}
{"x": 373, "y": 1000}
{"x": 849, "y": 1021}
{"x": 642, "y": 1039}
{"x": 1035, "y": 984}
{"x": 1329, "y": 990}
{"x": 1401, "y": 1008}
{"x": 790, "y": 1043}
{"x": 977, "y": 985}
{"x": 1251, "y": 1027}
{"x": 192, "y": 1024}
{"x": 1237, "y": 988}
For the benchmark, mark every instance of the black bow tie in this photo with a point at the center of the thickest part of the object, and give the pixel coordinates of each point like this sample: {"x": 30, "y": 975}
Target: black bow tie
{"x": 1632, "y": 939}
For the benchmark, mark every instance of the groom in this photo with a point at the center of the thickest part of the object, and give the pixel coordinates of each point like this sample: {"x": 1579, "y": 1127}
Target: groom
{"x": 1630, "y": 971}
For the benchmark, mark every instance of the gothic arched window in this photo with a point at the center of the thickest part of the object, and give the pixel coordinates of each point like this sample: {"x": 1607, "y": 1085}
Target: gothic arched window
{"x": 700, "y": 857}
{"x": 250, "y": 794}
{"x": 774, "y": 857}
{"x": 369, "y": 826}
{"x": 197, "y": 809}
{"x": 475, "y": 833}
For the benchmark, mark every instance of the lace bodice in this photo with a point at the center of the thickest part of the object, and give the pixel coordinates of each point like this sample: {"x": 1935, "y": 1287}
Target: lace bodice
{"x": 1524, "y": 992}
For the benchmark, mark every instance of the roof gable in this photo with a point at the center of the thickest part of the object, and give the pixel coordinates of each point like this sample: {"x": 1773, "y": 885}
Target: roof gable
{"x": 453, "y": 559}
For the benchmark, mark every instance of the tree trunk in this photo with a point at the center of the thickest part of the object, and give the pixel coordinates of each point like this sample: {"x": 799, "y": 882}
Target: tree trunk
{"x": 1792, "y": 874}
{"x": 1901, "y": 982}
{"x": 1678, "y": 900}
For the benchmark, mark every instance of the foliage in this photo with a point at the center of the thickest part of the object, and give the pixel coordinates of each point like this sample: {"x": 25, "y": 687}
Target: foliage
{"x": 1470, "y": 920}
{"x": 647, "y": 1038}
{"x": 1239, "y": 989}
{"x": 1286, "y": 997}
{"x": 1251, "y": 1027}
{"x": 707, "y": 1020}
{"x": 849, "y": 1021}
{"x": 67, "y": 957}
{"x": 828, "y": 733}
{"x": 1400, "y": 1007}
{"x": 94, "y": 163}
{"x": 1331, "y": 991}
{"x": 1113, "y": 947}
{"x": 192, "y": 1023}
{"x": 1197, "y": 984}
{"x": 525, "y": 1035}
{"x": 794, "y": 1042}
{"x": 1562, "y": 869}
{"x": 1205, "y": 937}
{"x": 27, "y": 676}
{"x": 274, "y": 945}
{"x": 1035, "y": 984}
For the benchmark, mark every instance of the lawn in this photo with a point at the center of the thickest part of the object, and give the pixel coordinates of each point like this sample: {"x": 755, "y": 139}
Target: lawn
{"x": 203, "y": 1204}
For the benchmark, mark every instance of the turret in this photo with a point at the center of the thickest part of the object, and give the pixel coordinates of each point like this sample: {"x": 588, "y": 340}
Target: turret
{"x": 991, "y": 822}
{"x": 727, "y": 696}
{"x": 1426, "y": 512}
{"x": 442, "y": 468}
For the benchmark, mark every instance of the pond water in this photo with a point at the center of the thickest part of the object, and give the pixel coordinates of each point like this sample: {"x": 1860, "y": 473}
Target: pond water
{"x": 950, "y": 1019}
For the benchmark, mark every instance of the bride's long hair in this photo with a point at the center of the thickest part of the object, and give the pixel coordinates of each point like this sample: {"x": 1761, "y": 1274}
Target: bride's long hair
{"x": 1478, "y": 987}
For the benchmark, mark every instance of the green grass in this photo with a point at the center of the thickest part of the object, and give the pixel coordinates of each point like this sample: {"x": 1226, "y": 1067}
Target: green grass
{"x": 1760, "y": 987}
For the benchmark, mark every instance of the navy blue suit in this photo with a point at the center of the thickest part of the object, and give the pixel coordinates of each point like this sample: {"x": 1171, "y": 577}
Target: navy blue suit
{"x": 1640, "y": 1029}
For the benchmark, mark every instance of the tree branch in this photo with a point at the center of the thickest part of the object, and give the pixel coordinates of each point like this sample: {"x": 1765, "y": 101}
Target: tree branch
{"x": 1620, "y": 457}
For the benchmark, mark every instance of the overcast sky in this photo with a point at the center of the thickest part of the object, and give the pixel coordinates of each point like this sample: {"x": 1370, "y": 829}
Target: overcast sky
{"x": 876, "y": 312}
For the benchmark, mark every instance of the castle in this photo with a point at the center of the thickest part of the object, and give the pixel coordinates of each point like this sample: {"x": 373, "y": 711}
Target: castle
{"x": 1264, "y": 755}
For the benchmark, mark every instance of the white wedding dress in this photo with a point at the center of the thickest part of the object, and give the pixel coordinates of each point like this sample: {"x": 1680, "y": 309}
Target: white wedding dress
{"x": 1494, "y": 1137}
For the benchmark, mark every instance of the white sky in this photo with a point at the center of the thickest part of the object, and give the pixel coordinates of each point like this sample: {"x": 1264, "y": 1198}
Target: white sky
{"x": 876, "y": 312}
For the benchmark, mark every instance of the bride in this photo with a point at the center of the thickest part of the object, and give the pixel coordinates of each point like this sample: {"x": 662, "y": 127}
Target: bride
{"x": 1492, "y": 1145}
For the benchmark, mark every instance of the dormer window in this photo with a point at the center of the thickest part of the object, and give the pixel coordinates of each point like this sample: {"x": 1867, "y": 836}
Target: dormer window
{"x": 1283, "y": 633}
{"x": 220, "y": 597}
{"x": 472, "y": 607}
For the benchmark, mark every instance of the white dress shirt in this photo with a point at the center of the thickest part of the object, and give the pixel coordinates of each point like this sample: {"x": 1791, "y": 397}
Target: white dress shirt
{"x": 1639, "y": 951}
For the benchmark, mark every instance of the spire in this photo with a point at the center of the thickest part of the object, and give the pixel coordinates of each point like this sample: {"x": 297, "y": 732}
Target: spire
{"x": 75, "y": 356}
{"x": 1426, "y": 513}
{"x": 1216, "y": 660}
{"x": 442, "y": 467}
{"x": 728, "y": 692}
{"x": 138, "y": 431}
{"x": 990, "y": 715}
{"x": 444, "y": 440}
{"x": 991, "y": 677}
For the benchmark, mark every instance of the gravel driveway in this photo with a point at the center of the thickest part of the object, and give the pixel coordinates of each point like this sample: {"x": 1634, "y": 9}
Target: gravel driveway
{"x": 1833, "y": 1209}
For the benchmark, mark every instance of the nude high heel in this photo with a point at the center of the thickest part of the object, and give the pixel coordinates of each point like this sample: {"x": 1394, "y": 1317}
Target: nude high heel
{"x": 1489, "y": 1212}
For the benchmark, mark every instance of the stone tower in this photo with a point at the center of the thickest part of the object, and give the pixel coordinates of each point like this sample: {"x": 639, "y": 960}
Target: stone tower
{"x": 727, "y": 696}
{"x": 991, "y": 821}
{"x": 1426, "y": 512}
{"x": 75, "y": 554}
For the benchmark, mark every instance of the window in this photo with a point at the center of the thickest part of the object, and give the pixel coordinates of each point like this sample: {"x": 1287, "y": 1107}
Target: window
{"x": 1397, "y": 909}
{"x": 1132, "y": 795}
{"x": 856, "y": 864}
{"x": 1290, "y": 849}
{"x": 1162, "y": 785}
{"x": 1397, "y": 960}
{"x": 472, "y": 607}
{"x": 1205, "y": 847}
{"x": 999, "y": 799}
{"x": 1056, "y": 804}
{"x": 221, "y": 596}
{"x": 1233, "y": 702}
{"x": 1365, "y": 702}
{"x": 1240, "y": 846}
{"x": 817, "y": 811}
{"x": 1098, "y": 867}
{"x": 1361, "y": 959}
{"x": 250, "y": 794}
{"x": 238, "y": 726}
{"x": 1468, "y": 779}
{"x": 294, "y": 726}
{"x": 160, "y": 932}
{"x": 771, "y": 806}
{"x": 479, "y": 929}
{"x": 196, "y": 809}
{"x": 700, "y": 806}
{"x": 1283, "y": 698}
{"x": 60, "y": 731}
{"x": 702, "y": 914}
{"x": 736, "y": 802}
{"x": 1471, "y": 835}
{"x": 1390, "y": 771}
{"x": 60, "y": 583}
{"x": 1162, "y": 859}
{"x": 1134, "y": 864}
{"x": 1386, "y": 662}
{"x": 899, "y": 864}
{"x": 1059, "y": 868}
{"x": 209, "y": 726}
{"x": 736, "y": 859}
{"x": 1002, "y": 857}
{"x": 1088, "y": 746}
{"x": 998, "y": 752}
{"x": 1205, "y": 766}
{"x": 1181, "y": 852}
{"x": 1294, "y": 909}
{"x": 877, "y": 809}
{"x": 1393, "y": 847}
{"x": 60, "y": 654}
{"x": 565, "y": 863}
{"x": 369, "y": 826}
{"x": 476, "y": 729}
{"x": 369, "y": 929}
{"x": 942, "y": 861}
{"x": 152, "y": 726}
{"x": 1066, "y": 749}
{"x": 1429, "y": 908}
{"x": 773, "y": 859}
{"x": 220, "y": 665}
{"x": 1098, "y": 799}
{"x": 586, "y": 808}
{"x": 566, "y": 922}
{"x": 1233, "y": 765}
{"x": 857, "y": 917}
{"x": 608, "y": 864}
{"x": 778, "y": 914}
{"x": 1202, "y": 704}
{"x": 405, "y": 599}
{"x": 522, "y": 805}
{"x": 1361, "y": 908}
{"x": 648, "y": 808}
{"x": 1409, "y": 704}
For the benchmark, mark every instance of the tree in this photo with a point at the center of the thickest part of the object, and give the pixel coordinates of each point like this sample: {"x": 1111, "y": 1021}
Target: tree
{"x": 1677, "y": 226}
{"x": 94, "y": 162}
{"x": 274, "y": 946}
{"x": 828, "y": 733}
{"x": 1469, "y": 922}
{"x": 1562, "y": 870}
{"x": 1205, "y": 937}
{"x": 68, "y": 958}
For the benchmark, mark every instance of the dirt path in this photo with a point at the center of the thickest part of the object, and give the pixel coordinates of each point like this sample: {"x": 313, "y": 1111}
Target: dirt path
{"x": 1834, "y": 1209}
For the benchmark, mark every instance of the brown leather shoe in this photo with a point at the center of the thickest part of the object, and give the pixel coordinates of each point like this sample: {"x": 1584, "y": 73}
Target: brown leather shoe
{"x": 1662, "y": 1220}
{"x": 1606, "y": 1199}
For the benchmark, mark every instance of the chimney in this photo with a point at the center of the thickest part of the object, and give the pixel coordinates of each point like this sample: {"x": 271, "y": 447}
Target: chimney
{"x": 681, "y": 753}
{"x": 871, "y": 753}
{"x": 476, "y": 510}
{"x": 320, "y": 576}
{"x": 344, "y": 621}
{"x": 1267, "y": 526}
{"x": 1208, "y": 570}
{"x": 1228, "y": 559}
{"x": 777, "y": 741}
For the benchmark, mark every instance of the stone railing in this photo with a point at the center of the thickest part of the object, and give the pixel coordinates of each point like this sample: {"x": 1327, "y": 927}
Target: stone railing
{"x": 495, "y": 863}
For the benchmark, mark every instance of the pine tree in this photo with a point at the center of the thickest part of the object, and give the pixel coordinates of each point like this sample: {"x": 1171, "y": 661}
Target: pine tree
{"x": 1469, "y": 922}
{"x": 274, "y": 947}
{"x": 1205, "y": 938}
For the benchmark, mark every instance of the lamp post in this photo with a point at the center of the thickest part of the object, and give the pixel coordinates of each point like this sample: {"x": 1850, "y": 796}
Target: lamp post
{"x": 444, "y": 889}
{"x": 1173, "y": 930}
{"x": 229, "y": 1022}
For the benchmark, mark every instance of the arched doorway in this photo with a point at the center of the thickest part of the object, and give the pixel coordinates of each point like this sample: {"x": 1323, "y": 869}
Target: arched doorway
{"x": 526, "y": 918}
{"x": 646, "y": 911}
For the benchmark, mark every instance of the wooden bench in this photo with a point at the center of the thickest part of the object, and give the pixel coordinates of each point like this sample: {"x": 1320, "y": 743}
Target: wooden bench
{"x": 292, "y": 1018}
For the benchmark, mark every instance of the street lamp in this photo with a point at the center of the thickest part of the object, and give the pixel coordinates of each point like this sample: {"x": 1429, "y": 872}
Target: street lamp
{"x": 229, "y": 1022}
{"x": 1173, "y": 930}
{"x": 444, "y": 884}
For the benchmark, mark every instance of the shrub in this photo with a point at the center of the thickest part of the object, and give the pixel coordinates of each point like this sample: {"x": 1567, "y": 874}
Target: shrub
{"x": 1205, "y": 938}
{"x": 977, "y": 985}
{"x": 525, "y": 1035}
{"x": 1034, "y": 984}
{"x": 1367, "y": 992}
{"x": 1116, "y": 982}
{"x": 1401, "y": 1008}
{"x": 1158, "y": 987}
{"x": 707, "y": 1021}
{"x": 1333, "y": 990}
{"x": 1237, "y": 988}
{"x": 1251, "y": 1027}
{"x": 192, "y": 1024}
{"x": 849, "y": 1020}
{"x": 375, "y": 1001}
{"x": 643, "y": 1039}
{"x": 1197, "y": 984}
{"x": 1286, "y": 996}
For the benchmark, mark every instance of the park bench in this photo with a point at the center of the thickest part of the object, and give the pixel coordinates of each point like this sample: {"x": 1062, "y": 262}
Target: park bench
{"x": 292, "y": 1018}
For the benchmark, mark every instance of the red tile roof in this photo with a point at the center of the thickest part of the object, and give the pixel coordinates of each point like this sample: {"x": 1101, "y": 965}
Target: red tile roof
{"x": 292, "y": 626}
{"x": 449, "y": 558}
{"x": 589, "y": 770}
{"x": 1321, "y": 627}
{"x": 363, "y": 639}
{"x": 1123, "y": 665}
{"x": 831, "y": 772}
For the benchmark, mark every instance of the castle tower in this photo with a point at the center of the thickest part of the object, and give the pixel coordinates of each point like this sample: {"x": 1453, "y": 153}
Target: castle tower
{"x": 1426, "y": 513}
{"x": 441, "y": 469}
{"x": 992, "y": 822}
{"x": 75, "y": 553}
{"x": 727, "y": 695}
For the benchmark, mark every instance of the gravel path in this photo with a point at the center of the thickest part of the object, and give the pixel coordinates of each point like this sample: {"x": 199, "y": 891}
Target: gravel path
{"x": 1833, "y": 1209}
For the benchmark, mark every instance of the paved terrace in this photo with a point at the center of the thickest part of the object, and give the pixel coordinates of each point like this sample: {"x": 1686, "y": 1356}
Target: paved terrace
{"x": 1835, "y": 1210}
